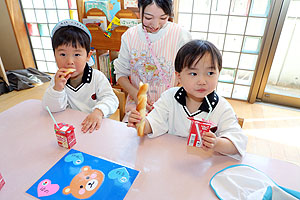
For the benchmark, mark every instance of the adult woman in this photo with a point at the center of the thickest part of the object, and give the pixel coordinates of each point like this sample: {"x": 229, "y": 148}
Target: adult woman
{"x": 148, "y": 52}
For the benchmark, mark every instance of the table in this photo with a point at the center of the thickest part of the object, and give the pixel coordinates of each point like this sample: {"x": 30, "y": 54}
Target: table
{"x": 168, "y": 168}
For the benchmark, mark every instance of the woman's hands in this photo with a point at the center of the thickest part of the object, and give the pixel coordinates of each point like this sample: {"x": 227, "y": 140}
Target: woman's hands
{"x": 134, "y": 118}
{"x": 133, "y": 91}
{"x": 149, "y": 105}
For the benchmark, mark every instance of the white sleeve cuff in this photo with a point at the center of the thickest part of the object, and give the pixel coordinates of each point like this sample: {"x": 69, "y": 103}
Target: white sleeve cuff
{"x": 104, "y": 109}
{"x": 157, "y": 128}
{"x": 55, "y": 93}
{"x": 55, "y": 100}
{"x": 240, "y": 144}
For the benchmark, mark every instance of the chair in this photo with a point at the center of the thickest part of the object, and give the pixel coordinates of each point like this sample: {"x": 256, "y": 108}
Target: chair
{"x": 119, "y": 114}
{"x": 241, "y": 121}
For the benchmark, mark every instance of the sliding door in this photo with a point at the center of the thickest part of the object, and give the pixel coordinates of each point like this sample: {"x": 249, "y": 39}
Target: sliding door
{"x": 280, "y": 81}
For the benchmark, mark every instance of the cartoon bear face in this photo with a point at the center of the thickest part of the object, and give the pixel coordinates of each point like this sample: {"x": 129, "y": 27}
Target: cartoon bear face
{"x": 85, "y": 183}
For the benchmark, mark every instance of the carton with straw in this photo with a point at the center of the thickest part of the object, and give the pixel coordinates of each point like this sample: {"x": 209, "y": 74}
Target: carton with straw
{"x": 198, "y": 127}
{"x": 64, "y": 133}
{"x": 2, "y": 182}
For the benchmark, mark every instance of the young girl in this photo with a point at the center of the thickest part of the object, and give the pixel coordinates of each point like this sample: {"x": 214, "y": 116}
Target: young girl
{"x": 148, "y": 52}
{"x": 198, "y": 65}
{"x": 84, "y": 89}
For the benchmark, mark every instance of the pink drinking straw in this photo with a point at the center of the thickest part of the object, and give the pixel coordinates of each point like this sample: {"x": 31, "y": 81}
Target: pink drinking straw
{"x": 52, "y": 116}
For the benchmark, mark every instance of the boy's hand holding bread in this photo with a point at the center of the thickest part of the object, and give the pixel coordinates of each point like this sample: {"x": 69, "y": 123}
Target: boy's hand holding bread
{"x": 61, "y": 78}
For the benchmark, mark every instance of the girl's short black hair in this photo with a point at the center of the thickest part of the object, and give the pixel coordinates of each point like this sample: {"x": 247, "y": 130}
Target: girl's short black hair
{"x": 194, "y": 51}
{"x": 71, "y": 35}
{"x": 165, "y": 5}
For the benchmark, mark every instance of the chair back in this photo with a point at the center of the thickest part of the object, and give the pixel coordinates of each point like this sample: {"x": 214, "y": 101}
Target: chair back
{"x": 122, "y": 101}
{"x": 241, "y": 121}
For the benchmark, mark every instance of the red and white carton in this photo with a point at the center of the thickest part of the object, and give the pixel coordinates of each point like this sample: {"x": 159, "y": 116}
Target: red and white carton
{"x": 198, "y": 127}
{"x": 2, "y": 182}
{"x": 65, "y": 135}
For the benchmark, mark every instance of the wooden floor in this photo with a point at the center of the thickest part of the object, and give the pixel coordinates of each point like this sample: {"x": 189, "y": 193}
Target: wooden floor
{"x": 273, "y": 131}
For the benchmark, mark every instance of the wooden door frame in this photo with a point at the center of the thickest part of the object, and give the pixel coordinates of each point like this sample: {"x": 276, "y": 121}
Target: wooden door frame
{"x": 19, "y": 27}
{"x": 264, "y": 63}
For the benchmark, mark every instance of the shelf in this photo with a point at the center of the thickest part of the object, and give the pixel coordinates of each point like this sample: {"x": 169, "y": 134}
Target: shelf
{"x": 99, "y": 40}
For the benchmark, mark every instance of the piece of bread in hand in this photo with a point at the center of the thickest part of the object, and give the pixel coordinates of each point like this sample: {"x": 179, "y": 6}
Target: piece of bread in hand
{"x": 69, "y": 71}
{"x": 141, "y": 107}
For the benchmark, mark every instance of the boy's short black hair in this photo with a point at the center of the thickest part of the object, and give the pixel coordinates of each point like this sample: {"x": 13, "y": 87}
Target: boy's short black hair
{"x": 194, "y": 51}
{"x": 165, "y": 5}
{"x": 71, "y": 35}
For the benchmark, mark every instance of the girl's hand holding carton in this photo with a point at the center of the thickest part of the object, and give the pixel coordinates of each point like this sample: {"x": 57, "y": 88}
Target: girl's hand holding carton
{"x": 202, "y": 134}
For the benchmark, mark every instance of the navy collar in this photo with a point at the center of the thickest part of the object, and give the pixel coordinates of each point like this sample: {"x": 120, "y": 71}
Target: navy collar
{"x": 86, "y": 78}
{"x": 213, "y": 98}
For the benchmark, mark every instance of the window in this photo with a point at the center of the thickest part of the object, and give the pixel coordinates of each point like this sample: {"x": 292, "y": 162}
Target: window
{"x": 237, "y": 28}
{"x": 41, "y": 17}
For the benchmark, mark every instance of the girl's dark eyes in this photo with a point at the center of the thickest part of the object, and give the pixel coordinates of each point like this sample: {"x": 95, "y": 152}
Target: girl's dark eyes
{"x": 195, "y": 74}
{"x": 77, "y": 54}
{"x": 62, "y": 54}
{"x": 147, "y": 18}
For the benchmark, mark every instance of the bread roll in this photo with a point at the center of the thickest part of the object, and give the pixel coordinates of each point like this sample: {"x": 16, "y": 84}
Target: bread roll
{"x": 69, "y": 71}
{"x": 141, "y": 107}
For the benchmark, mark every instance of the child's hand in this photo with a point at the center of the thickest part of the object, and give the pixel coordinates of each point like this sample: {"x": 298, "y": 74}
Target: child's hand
{"x": 134, "y": 118}
{"x": 209, "y": 141}
{"x": 92, "y": 121}
{"x": 61, "y": 79}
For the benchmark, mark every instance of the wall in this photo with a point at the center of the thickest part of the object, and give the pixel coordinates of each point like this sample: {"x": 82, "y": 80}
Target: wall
{"x": 9, "y": 50}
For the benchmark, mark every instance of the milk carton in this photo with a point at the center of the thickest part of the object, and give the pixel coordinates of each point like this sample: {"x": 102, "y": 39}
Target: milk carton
{"x": 198, "y": 127}
{"x": 2, "y": 182}
{"x": 65, "y": 135}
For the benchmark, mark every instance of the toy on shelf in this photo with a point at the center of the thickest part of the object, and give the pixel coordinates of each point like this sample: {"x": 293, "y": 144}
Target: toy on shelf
{"x": 100, "y": 41}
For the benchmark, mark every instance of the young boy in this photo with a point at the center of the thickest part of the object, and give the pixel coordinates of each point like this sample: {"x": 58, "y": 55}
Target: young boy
{"x": 198, "y": 64}
{"x": 75, "y": 84}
